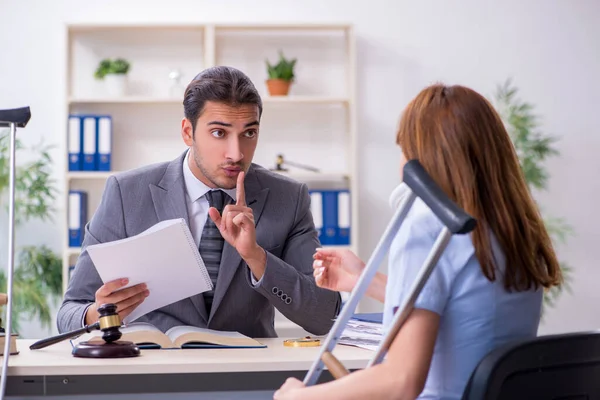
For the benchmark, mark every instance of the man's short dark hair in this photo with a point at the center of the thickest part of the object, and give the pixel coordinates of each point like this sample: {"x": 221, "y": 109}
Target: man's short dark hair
{"x": 219, "y": 84}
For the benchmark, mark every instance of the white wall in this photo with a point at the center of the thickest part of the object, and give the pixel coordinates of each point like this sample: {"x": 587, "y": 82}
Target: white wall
{"x": 551, "y": 49}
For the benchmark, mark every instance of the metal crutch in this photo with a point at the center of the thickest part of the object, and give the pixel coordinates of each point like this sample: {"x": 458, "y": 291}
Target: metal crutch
{"x": 12, "y": 118}
{"x": 455, "y": 220}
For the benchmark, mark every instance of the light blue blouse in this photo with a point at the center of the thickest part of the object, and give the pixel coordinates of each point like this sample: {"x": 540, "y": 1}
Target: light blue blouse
{"x": 476, "y": 315}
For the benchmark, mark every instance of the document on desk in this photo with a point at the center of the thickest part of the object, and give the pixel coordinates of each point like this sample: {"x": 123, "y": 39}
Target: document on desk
{"x": 164, "y": 256}
{"x": 361, "y": 333}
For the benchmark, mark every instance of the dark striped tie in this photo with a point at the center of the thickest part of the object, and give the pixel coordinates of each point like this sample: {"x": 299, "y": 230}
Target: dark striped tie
{"x": 211, "y": 244}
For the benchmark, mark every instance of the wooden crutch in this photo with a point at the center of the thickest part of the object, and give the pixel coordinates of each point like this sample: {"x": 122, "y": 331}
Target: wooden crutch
{"x": 455, "y": 220}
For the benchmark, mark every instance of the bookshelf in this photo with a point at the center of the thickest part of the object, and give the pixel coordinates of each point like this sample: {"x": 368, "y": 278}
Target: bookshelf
{"x": 314, "y": 125}
{"x": 266, "y": 99}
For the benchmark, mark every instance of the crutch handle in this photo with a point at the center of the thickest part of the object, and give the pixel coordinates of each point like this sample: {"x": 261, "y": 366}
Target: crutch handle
{"x": 451, "y": 215}
{"x": 335, "y": 367}
{"x": 18, "y": 116}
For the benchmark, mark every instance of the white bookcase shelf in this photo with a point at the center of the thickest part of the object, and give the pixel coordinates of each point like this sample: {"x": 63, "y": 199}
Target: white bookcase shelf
{"x": 158, "y": 100}
{"x": 122, "y": 100}
{"x": 285, "y": 27}
{"x": 314, "y": 125}
{"x": 88, "y": 175}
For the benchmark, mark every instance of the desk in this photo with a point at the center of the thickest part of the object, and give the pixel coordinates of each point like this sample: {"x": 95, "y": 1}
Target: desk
{"x": 53, "y": 371}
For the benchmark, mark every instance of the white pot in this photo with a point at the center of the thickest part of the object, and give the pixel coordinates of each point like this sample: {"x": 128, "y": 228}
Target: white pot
{"x": 116, "y": 84}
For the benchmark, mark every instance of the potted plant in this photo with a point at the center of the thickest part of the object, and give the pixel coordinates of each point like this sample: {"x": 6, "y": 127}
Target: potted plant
{"x": 37, "y": 284}
{"x": 281, "y": 75}
{"x": 114, "y": 73}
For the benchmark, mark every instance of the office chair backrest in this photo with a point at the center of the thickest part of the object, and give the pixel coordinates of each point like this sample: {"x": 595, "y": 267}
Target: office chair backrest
{"x": 553, "y": 367}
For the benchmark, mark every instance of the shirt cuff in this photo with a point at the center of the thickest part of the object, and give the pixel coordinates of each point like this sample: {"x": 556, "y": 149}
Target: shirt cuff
{"x": 253, "y": 279}
{"x": 84, "y": 314}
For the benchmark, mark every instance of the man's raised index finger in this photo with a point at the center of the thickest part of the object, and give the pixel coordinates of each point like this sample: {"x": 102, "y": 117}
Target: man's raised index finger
{"x": 240, "y": 193}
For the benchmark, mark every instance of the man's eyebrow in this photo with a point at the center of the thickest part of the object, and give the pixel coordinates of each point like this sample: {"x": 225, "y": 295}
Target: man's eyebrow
{"x": 218, "y": 123}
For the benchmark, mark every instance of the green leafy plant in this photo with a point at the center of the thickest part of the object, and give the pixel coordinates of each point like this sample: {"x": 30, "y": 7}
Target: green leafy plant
{"x": 284, "y": 69}
{"x": 37, "y": 283}
{"x": 533, "y": 148}
{"x": 109, "y": 66}
{"x": 34, "y": 190}
{"x": 37, "y": 271}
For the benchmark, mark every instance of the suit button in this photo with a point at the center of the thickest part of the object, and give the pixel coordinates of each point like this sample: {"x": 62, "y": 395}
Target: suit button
{"x": 284, "y": 297}
{"x": 275, "y": 290}
{"x": 280, "y": 292}
{"x": 288, "y": 300}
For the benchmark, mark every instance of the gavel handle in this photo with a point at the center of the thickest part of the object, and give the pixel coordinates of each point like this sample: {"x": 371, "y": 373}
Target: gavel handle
{"x": 335, "y": 367}
{"x": 40, "y": 344}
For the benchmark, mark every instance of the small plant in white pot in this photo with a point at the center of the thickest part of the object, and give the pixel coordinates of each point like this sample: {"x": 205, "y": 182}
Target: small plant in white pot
{"x": 114, "y": 73}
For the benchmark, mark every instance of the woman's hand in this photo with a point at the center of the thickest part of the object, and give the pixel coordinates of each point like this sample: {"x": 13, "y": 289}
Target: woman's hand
{"x": 337, "y": 269}
{"x": 289, "y": 389}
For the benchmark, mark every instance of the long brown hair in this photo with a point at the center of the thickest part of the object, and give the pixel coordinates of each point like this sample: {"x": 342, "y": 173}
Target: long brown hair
{"x": 460, "y": 140}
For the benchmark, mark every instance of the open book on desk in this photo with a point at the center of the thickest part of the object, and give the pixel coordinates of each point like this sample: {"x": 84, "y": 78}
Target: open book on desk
{"x": 164, "y": 256}
{"x": 147, "y": 336}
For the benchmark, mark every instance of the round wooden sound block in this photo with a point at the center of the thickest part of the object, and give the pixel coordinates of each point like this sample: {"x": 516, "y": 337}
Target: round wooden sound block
{"x": 116, "y": 349}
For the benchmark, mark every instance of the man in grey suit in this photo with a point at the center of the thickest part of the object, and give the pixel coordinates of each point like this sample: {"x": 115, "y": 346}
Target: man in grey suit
{"x": 253, "y": 227}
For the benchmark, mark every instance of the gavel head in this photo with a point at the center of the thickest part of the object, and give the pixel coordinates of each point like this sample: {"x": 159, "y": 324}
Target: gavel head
{"x": 109, "y": 322}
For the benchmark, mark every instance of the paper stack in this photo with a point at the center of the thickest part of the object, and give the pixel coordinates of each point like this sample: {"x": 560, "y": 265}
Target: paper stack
{"x": 365, "y": 333}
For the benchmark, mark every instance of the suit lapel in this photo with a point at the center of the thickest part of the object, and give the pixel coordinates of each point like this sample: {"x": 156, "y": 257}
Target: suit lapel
{"x": 169, "y": 203}
{"x": 256, "y": 197}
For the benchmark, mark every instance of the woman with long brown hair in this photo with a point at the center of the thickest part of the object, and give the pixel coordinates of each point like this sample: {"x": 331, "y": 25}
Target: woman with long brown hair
{"x": 487, "y": 288}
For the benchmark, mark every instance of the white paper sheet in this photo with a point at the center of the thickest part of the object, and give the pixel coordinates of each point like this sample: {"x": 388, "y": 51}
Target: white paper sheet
{"x": 164, "y": 257}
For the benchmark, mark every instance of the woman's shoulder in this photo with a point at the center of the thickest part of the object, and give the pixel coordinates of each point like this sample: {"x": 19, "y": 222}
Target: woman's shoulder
{"x": 421, "y": 219}
{"x": 412, "y": 246}
{"x": 422, "y": 225}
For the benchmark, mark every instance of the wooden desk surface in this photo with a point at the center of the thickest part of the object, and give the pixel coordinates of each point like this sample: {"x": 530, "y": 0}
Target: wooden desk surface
{"x": 58, "y": 360}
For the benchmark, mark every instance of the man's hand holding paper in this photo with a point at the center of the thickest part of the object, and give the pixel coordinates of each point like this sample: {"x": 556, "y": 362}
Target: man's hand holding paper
{"x": 126, "y": 299}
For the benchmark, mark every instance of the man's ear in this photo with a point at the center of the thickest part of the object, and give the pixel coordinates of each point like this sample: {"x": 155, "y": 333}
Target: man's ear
{"x": 187, "y": 132}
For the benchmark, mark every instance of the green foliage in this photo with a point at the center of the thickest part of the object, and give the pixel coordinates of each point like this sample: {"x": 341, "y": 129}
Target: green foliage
{"x": 533, "y": 147}
{"x": 37, "y": 280}
{"x": 37, "y": 271}
{"x": 108, "y": 66}
{"x": 284, "y": 69}
{"x": 34, "y": 190}
{"x": 558, "y": 231}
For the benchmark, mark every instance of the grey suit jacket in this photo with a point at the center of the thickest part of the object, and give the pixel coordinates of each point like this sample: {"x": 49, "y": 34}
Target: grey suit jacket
{"x": 135, "y": 200}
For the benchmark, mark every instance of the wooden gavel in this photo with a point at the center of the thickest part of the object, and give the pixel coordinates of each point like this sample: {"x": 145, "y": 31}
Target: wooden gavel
{"x": 109, "y": 323}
